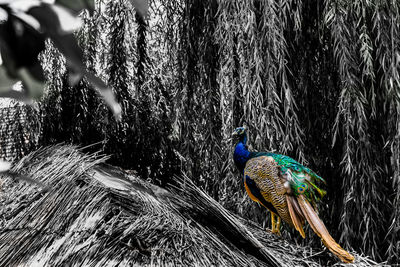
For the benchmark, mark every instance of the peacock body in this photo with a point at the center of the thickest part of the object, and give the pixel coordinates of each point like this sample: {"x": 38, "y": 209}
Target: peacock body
{"x": 286, "y": 188}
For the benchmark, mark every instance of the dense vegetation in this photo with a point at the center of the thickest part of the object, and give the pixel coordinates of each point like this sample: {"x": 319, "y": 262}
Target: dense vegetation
{"x": 318, "y": 81}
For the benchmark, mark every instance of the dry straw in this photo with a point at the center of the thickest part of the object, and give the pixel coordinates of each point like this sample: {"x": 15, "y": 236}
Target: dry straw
{"x": 98, "y": 215}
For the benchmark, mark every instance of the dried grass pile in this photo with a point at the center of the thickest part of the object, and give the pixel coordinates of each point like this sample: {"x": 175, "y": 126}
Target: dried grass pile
{"x": 97, "y": 215}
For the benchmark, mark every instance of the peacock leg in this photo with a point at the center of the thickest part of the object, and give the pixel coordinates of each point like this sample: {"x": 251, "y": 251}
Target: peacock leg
{"x": 278, "y": 226}
{"x": 273, "y": 225}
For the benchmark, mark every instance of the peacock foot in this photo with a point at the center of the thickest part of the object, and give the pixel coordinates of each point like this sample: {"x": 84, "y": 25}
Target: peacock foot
{"x": 276, "y": 225}
{"x": 276, "y": 232}
{"x": 273, "y": 231}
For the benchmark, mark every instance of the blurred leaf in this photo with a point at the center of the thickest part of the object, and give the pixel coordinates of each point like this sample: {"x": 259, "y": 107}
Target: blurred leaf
{"x": 68, "y": 46}
{"x": 32, "y": 85}
{"x": 54, "y": 19}
{"x": 68, "y": 22}
{"x": 77, "y": 5}
{"x": 74, "y": 77}
{"x": 29, "y": 20}
{"x": 21, "y": 43}
{"x": 107, "y": 94}
{"x": 17, "y": 95}
{"x": 142, "y": 6}
{"x": 4, "y": 166}
{"x": 20, "y": 46}
{"x": 24, "y": 5}
{"x": 6, "y": 82}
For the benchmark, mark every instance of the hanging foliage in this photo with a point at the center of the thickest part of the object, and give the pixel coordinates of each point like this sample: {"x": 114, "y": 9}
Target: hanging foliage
{"x": 318, "y": 82}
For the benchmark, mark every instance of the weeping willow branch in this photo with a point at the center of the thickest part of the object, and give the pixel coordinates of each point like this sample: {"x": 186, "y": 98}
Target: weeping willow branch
{"x": 364, "y": 178}
{"x": 386, "y": 21}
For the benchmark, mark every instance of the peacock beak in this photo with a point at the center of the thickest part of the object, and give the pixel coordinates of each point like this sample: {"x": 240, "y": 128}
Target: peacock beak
{"x": 235, "y": 133}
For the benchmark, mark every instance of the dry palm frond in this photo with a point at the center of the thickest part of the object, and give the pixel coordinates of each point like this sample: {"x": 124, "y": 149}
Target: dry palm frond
{"x": 95, "y": 214}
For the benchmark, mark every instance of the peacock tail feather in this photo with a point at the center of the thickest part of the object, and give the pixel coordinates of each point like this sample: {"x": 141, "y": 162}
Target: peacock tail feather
{"x": 302, "y": 180}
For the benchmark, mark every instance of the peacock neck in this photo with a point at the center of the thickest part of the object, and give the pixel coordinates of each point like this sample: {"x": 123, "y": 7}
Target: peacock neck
{"x": 241, "y": 154}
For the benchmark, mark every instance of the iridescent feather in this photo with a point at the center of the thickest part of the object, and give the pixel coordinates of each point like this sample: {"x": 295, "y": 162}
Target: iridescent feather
{"x": 302, "y": 180}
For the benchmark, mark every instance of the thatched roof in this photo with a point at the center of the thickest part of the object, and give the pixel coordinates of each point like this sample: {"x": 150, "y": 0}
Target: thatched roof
{"x": 97, "y": 215}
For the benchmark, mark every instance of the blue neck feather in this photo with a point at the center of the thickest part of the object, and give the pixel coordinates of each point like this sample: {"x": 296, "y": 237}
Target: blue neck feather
{"x": 241, "y": 154}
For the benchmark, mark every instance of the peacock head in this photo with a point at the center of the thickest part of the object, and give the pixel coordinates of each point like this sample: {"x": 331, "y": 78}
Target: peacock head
{"x": 239, "y": 133}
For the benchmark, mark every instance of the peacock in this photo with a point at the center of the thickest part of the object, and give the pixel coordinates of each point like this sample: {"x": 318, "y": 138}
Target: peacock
{"x": 286, "y": 188}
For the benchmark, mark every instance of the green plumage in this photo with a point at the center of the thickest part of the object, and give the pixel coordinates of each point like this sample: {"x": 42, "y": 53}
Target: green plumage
{"x": 302, "y": 180}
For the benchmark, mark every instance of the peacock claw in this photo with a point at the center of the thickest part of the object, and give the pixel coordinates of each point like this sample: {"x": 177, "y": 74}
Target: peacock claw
{"x": 277, "y": 232}
{"x": 272, "y": 231}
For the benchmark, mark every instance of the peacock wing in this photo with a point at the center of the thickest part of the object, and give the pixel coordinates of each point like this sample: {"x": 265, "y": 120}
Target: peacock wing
{"x": 300, "y": 180}
{"x": 265, "y": 173}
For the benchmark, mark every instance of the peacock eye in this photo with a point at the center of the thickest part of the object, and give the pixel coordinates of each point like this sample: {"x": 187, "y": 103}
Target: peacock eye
{"x": 302, "y": 188}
